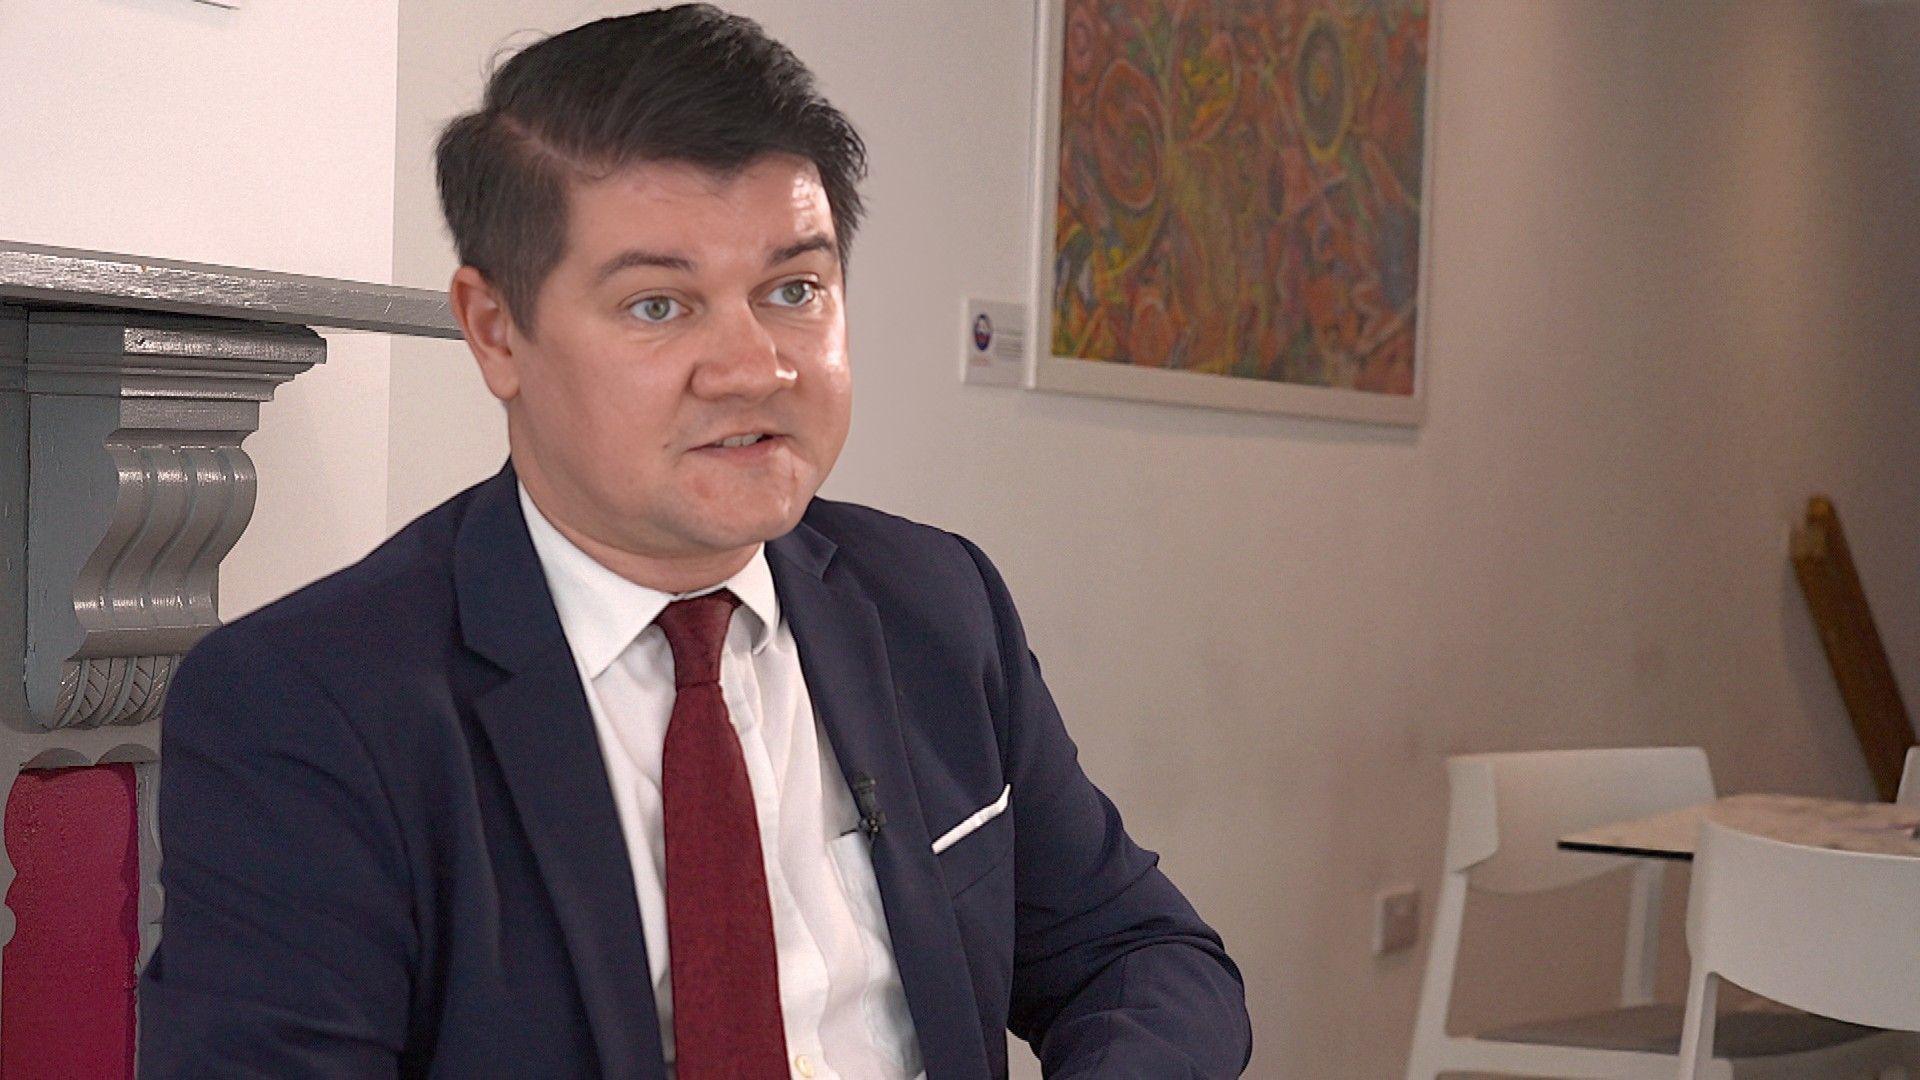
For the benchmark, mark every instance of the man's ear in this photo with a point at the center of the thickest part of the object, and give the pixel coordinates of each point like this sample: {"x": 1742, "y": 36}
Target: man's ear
{"x": 489, "y": 329}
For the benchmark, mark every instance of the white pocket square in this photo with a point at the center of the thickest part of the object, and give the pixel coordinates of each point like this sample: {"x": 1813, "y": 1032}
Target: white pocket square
{"x": 974, "y": 820}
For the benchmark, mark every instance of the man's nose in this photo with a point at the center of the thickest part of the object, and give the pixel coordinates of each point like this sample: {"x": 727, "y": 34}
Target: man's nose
{"x": 740, "y": 358}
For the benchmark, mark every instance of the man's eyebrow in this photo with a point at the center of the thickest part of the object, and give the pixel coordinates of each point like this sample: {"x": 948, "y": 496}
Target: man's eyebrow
{"x": 816, "y": 242}
{"x": 627, "y": 260}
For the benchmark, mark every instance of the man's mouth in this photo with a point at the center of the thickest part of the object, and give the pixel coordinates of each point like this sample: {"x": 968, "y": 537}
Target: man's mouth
{"x": 758, "y": 442}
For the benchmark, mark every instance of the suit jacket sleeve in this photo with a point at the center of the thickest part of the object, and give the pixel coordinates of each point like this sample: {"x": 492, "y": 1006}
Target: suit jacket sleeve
{"x": 288, "y": 930}
{"x": 1115, "y": 975}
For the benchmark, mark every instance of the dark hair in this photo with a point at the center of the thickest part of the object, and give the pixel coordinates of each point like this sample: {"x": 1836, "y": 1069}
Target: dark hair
{"x": 686, "y": 84}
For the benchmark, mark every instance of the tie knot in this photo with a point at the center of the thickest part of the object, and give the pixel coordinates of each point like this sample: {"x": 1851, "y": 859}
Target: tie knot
{"x": 696, "y": 630}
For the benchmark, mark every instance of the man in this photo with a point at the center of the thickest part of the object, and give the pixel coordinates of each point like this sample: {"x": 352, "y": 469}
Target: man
{"x": 637, "y": 759}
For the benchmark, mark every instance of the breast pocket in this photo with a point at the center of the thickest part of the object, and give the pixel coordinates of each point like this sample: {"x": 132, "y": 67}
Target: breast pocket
{"x": 976, "y": 845}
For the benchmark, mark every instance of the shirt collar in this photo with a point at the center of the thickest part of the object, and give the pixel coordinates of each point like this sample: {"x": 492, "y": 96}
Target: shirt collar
{"x": 602, "y": 612}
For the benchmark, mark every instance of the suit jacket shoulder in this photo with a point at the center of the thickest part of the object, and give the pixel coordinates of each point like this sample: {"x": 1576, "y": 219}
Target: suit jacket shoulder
{"x": 921, "y": 573}
{"x": 397, "y": 601}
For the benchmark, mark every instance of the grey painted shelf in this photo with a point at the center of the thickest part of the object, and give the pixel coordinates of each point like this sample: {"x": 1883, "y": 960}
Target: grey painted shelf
{"x": 34, "y": 276}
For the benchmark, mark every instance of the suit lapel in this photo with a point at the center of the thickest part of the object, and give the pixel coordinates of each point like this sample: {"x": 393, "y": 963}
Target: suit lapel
{"x": 541, "y": 731}
{"x": 844, "y": 658}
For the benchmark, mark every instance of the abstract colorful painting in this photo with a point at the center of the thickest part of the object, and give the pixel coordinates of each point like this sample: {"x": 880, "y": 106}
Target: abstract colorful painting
{"x": 1234, "y": 189}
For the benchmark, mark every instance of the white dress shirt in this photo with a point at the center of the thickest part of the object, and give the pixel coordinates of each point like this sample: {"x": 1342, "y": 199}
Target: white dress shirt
{"x": 840, "y": 995}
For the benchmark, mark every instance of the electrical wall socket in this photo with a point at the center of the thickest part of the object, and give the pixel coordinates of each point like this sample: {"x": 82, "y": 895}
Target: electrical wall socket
{"x": 1396, "y": 921}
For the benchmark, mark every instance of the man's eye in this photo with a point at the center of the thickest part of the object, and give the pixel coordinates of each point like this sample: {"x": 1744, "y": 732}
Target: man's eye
{"x": 795, "y": 294}
{"x": 655, "y": 309}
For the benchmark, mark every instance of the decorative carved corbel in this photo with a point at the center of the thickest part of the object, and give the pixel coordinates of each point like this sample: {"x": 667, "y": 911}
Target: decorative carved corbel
{"x": 136, "y": 425}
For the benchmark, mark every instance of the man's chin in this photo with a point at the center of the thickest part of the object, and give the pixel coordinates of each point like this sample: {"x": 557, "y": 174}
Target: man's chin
{"x": 749, "y": 531}
{"x": 776, "y": 528}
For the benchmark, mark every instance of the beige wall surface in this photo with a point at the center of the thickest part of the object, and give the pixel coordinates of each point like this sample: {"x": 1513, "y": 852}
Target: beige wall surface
{"x": 1673, "y": 248}
{"x": 446, "y": 431}
{"x": 259, "y": 137}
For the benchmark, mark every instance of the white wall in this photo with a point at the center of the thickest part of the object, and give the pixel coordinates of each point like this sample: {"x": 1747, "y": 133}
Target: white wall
{"x": 446, "y": 430}
{"x": 1670, "y": 300}
{"x": 261, "y": 137}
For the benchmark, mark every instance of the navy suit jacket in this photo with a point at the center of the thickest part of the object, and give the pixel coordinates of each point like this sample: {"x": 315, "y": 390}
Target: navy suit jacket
{"x": 390, "y": 848}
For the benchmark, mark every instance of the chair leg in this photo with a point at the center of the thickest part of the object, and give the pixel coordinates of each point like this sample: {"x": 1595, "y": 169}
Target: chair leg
{"x": 1425, "y": 1059}
{"x": 1696, "y": 1039}
{"x": 1643, "y": 934}
{"x": 1428, "y": 1057}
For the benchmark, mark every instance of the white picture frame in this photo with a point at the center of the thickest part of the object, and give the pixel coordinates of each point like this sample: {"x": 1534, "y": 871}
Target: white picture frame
{"x": 1107, "y": 378}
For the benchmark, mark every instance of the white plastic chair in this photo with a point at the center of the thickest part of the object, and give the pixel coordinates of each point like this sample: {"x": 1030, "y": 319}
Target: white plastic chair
{"x": 1910, "y": 780}
{"x": 1506, "y": 815}
{"x": 1829, "y": 932}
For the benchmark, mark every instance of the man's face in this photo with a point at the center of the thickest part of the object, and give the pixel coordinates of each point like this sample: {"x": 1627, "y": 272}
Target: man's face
{"x": 689, "y": 308}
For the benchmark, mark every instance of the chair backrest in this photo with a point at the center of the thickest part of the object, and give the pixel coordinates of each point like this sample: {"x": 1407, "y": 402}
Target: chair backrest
{"x": 1507, "y": 811}
{"x": 1910, "y": 780}
{"x": 1827, "y": 932}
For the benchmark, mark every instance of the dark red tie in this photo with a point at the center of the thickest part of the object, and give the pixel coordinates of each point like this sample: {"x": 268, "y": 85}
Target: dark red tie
{"x": 726, "y": 976}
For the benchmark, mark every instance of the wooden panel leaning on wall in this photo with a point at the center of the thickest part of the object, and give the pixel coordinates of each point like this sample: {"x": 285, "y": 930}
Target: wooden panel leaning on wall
{"x": 1834, "y": 594}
